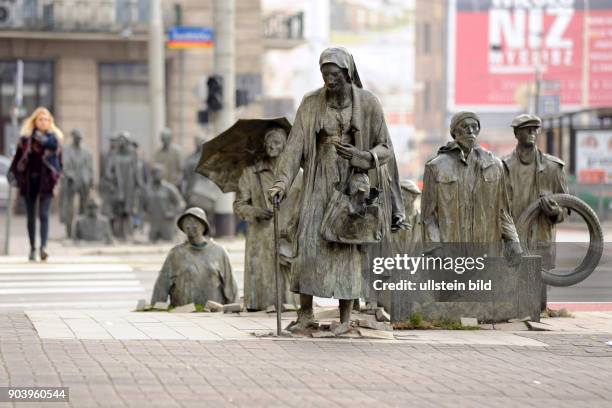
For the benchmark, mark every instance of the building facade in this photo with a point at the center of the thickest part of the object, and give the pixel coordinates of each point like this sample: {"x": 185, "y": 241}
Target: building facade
{"x": 87, "y": 62}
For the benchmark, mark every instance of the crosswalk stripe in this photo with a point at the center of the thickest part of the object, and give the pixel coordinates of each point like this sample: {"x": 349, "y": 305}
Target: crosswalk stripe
{"x": 40, "y": 291}
{"x": 59, "y": 259}
{"x": 69, "y": 276}
{"x": 92, "y": 283}
{"x": 48, "y": 284}
{"x": 118, "y": 304}
{"x": 71, "y": 268}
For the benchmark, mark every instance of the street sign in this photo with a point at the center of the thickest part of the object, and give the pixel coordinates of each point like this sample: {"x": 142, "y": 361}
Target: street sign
{"x": 549, "y": 105}
{"x": 182, "y": 37}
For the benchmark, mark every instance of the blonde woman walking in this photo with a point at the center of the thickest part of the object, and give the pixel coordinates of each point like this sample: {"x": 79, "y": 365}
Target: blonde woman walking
{"x": 37, "y": 167}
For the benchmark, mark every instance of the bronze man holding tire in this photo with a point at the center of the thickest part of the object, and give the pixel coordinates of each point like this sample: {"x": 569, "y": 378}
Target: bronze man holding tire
{"x": 539, "y": 175}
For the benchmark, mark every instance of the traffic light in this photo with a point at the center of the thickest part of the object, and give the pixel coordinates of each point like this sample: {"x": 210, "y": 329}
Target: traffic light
{"x": 242, "y": 97}
{"x": 215, "y": 93}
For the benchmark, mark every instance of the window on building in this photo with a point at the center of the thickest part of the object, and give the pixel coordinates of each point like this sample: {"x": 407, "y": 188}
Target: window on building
{"x": 124, "y": 103}
{"x": 427, "y": 97}
{"x": 37, "y": 91}
{"x": 132, "y": 11}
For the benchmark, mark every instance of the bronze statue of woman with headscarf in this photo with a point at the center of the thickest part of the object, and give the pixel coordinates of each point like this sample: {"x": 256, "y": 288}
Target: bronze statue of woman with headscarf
{"x": 337, "y": 129}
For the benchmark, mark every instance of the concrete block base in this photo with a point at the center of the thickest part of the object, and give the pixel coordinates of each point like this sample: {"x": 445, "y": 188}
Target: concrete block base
{"x": 514, "y": 293}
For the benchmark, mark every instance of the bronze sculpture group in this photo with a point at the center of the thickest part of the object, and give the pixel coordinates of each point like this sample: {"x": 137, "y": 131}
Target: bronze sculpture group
{"x": 339, "y": 133}
{"x": 131, "y": 190}
{"x": 339, "y": 153}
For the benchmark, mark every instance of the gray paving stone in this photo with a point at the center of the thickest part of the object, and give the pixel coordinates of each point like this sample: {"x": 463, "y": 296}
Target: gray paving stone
{"x": 374, "y": 325}
{"x": 573, "y": 369}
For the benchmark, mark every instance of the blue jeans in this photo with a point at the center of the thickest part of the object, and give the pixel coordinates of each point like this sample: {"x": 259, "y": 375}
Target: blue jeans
{"x": 43, "y": 213}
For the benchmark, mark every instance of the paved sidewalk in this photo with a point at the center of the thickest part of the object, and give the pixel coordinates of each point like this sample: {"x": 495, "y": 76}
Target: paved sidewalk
{"x": 562, "y": 370}
{"x": 118, "y": 325}
{"x": 125, "y": 325}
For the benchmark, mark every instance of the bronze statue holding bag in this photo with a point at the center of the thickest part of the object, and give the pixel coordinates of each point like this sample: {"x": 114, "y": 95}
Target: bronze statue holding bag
{"x": 338, "y": 129}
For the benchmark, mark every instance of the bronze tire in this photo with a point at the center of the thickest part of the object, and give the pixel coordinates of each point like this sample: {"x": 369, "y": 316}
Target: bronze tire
{"x": 563, "y": 277}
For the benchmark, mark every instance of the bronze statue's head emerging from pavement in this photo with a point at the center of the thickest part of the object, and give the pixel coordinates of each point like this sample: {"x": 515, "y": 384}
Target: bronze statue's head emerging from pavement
{"x": 194, "y": 223}
{"x": 92, "y": 208}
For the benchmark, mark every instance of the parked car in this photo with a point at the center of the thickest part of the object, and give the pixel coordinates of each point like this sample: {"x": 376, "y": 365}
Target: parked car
{"x": 5, "y": 163}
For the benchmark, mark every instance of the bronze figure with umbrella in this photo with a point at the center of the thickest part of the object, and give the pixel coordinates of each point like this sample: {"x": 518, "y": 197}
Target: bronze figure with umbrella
{"x": 226, "y": 156}
{"x": 223, "y": 161}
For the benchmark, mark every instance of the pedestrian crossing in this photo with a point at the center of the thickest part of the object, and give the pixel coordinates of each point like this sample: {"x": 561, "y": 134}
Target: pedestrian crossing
{"x": 85, "y": 282}
{"x": 66, "y": 282}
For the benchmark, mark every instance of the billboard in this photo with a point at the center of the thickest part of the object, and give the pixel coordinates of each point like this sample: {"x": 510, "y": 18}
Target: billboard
{"x": 496, "y": 47}
{"x": 594, "y": 156}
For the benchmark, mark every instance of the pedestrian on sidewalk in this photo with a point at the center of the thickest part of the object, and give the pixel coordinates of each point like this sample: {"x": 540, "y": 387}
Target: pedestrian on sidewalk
{"x": 37, "y": 167}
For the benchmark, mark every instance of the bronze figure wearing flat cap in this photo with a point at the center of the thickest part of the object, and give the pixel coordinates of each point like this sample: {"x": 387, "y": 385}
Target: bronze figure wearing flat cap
{"x": 531, "y": 174}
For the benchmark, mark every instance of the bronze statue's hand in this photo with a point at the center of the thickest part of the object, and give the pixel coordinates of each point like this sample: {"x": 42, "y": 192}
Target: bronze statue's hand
{"x": 262, "y": 214}
{"x": 346, "y": 150}
{"x": 399, "y": 223}
{"x": 276, "y": 193}
{"x": 550, "y": 207}
{"x": 513, "y": 253}
{"x": 362, "y": 160}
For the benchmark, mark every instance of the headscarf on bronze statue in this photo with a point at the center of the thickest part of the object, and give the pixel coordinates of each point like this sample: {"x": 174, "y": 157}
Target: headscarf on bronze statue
{"x": 341, "y": 57}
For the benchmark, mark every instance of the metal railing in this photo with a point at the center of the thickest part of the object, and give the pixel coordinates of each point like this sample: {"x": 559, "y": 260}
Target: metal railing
{"x": 120, "y": 16}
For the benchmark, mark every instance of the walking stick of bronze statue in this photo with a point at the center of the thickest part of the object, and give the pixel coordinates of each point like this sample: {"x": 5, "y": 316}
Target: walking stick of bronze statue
{"x": 277, "y": 276}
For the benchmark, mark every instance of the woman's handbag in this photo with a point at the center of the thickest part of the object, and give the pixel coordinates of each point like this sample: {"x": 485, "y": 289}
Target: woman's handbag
{"x": 346, "y": 224}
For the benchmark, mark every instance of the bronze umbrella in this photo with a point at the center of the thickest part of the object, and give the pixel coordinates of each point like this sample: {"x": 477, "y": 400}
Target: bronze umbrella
{"x": 225, "y": 156}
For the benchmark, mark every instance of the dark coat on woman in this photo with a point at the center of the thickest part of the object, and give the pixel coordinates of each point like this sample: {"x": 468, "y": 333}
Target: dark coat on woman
{"x": 31, "y": 151}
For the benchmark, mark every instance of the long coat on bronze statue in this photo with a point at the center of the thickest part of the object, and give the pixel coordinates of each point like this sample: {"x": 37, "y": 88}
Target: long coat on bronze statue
{"x": 531, "y": 174}
{"x": 322, "y": 268}
{"x": 162, "y": 205}
{"x": 77, "y": 180}
{"x": 122, "y": 174}
{"x": 169, "y": 156}
{"x": 253, "y": 205}
{"x": 464, "y": 199}
{"x": 410, "y": 242}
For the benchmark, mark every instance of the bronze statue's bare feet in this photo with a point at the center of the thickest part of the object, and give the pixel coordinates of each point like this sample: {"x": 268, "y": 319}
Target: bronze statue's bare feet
{"x": 304, "y": 321}
{"x": 342, "y": 328}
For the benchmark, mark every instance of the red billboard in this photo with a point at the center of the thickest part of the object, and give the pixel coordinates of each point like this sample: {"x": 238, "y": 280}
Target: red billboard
{"x": 497, "y": 46}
